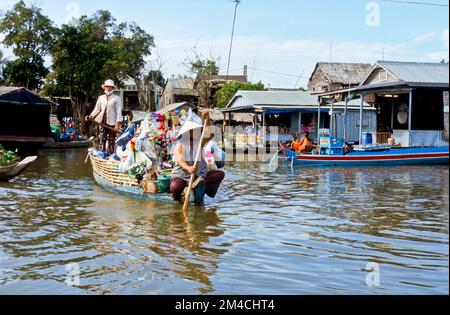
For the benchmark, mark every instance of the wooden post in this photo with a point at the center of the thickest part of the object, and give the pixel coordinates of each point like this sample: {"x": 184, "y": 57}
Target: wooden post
{"x": 318, "y": 125}
{"x": 198, "y": 157}
{"x": 345, "y": 117}
{"x": 332, "y": 119}
{"x": 392, "y": 114}
{"x": 410, "y": 117}
{"x": 264, "y": 130}
{"x": 361, "y": 118}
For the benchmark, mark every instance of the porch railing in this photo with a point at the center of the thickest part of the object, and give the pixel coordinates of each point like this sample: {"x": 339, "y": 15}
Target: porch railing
{"x": 383, "y": 137}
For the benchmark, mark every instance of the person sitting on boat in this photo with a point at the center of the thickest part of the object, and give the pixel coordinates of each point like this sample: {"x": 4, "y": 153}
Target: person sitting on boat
{"x": 294, "y": 143}
{"x": 303, "y": 146}
{"x": 208, "y": 182}
{"x": 108, "y": 111}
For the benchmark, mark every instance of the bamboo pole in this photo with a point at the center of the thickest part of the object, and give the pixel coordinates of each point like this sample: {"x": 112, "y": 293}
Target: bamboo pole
{"x": 187, "y": 198}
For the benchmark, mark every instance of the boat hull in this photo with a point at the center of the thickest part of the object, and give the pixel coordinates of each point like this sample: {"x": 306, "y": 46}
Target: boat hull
{"x": 106, "y": 175}
{"x": 10, "y": 172}
{"x": 133, "y": 192}
{"x": 67, "y": 145}
{"x": 394, "y": 157}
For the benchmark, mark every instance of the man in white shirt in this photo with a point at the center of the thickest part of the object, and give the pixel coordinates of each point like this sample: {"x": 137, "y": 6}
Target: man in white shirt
{"x": 108, "y": 111}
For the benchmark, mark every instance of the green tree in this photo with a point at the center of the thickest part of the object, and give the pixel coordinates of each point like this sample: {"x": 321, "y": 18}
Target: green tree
{"x": 92, "y": 50}
{"x": 2, "y": 63}
{"x": 226, "y": 92}
{"x": 157, "y": 77}
{"x": 152, "y": 80}
{"x": 31, "y": 35}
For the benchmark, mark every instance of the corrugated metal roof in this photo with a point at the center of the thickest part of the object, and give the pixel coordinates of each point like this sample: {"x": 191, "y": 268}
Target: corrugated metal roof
{"x": 418, "y": 72}
{"x": 182, "y": 83}
{"x": 129, "y": 81}
{"x": 354, "y": 104}
{"x": 275, "y": 98}
{"x": 172, "y": 107}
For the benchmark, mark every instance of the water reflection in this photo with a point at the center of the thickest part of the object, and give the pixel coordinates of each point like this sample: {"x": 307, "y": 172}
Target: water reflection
{"x": 304, "y": 231}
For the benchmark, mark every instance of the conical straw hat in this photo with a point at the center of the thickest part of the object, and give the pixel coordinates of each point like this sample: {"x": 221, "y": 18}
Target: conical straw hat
{"x": 191, "y": 123}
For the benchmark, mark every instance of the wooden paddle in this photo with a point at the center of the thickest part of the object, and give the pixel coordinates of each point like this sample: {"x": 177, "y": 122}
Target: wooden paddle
{"x": 187, "y": 198}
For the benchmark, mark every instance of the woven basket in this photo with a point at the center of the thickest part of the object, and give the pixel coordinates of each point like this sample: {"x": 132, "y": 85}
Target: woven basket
{"x": 109, "y": 170}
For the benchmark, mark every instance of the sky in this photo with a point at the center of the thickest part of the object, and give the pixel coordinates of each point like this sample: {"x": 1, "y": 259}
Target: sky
{"x": 279, "y": 40}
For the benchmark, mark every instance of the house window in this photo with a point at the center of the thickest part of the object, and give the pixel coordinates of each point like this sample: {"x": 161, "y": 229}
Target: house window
{"x": 366, "y": 121}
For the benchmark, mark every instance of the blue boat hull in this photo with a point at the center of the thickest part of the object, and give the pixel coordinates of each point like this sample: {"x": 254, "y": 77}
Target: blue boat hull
{"x": 132, "y": 192}
{"x": 413, "y": 156}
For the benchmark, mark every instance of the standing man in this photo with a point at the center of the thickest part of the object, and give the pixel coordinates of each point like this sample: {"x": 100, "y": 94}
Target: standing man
{"x": 108, "y": 111}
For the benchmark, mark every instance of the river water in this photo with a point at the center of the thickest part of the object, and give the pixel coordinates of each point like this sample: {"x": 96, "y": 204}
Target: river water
{"x": 296, "y": 231}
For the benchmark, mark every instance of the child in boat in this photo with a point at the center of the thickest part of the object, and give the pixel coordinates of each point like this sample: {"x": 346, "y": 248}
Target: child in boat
{"x": 184, "y": 155}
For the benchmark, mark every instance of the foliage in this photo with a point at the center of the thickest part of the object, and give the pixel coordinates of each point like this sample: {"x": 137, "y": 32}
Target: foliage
{"x": 31, "y": 35}
{"x": 92, "y": 50}
{"x": 307, "y": 129}
{"x": 7, "y": 157}
{"x": 2, "y": 62}
{"x": 157, "y": 77}
{"x": 226, "y": 92}
{"x": 21, "y": 72}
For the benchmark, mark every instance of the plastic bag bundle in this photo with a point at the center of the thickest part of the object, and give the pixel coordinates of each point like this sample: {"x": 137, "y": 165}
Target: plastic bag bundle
{"x": 213, "y": 155}
{"x": 98, "y": 154}
{"x": 126, "y": 137}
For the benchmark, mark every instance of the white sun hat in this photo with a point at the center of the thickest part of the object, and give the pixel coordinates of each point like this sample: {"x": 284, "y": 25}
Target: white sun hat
{"x": 192, "y": 122}
{"x": 109, "y": 83}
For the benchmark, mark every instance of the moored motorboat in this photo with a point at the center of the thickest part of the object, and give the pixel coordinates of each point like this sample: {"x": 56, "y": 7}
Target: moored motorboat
{"x": 395, "y": 156}
{"x": 67, "y": 145}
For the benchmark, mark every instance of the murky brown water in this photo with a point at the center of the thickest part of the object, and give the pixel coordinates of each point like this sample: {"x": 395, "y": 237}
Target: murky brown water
{"x": 310, "y": 231}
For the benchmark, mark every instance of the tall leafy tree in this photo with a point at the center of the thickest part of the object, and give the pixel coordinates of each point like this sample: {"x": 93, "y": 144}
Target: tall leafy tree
{"x": 198, "y": 64}
{"x": 92, "y": 50}
{"x": 2, "y": 62}
{"x": 130, "y": 45}
{"x": 31, "y": 35}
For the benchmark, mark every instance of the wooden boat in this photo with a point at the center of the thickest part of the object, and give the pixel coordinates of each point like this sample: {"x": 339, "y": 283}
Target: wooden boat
{"x": 9, "y": 172}
{"x": 106, "y": 174}
{"x": 407, "y": 156}
{"x": 67, "y": 145}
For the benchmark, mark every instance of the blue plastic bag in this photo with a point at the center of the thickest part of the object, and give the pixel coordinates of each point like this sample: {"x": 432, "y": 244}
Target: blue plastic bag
{"x": 126, "y": 137}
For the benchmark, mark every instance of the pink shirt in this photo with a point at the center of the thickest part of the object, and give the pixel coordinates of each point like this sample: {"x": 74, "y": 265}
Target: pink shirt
{"x": 113, "y": 109}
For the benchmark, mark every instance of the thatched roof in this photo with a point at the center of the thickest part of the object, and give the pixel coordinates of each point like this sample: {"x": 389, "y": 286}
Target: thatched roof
{"x": 342, "y": 73}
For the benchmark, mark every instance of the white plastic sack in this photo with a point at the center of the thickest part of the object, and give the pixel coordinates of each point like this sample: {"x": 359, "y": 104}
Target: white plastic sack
{"x": 213, "y": 155}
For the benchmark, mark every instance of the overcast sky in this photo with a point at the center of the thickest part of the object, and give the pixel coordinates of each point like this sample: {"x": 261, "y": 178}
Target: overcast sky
{"x": 279, "y": 40}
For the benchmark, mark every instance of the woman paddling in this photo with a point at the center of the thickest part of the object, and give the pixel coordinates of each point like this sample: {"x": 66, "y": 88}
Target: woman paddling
{"x": 208, "y": 182}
